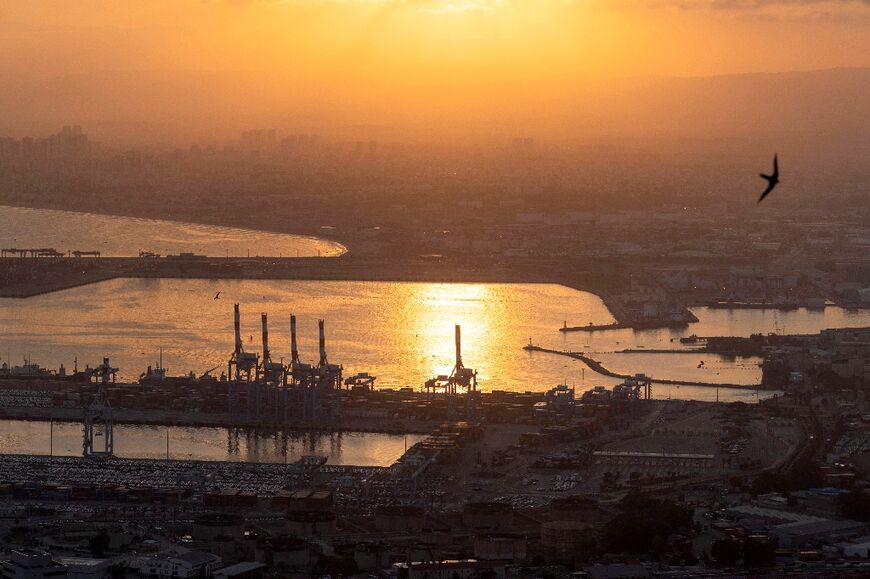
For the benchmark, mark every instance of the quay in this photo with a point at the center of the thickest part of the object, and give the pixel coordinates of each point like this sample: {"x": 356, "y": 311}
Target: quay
{"x": 209, "y": 403}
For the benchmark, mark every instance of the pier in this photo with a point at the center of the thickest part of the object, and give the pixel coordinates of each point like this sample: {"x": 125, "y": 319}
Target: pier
{"x": 594, "y": 327}
{"x": 633, "y": 325}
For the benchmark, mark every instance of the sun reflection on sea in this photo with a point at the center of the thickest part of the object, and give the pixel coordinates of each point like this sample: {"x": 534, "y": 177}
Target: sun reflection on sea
{"x": 400, "y": 332}
{"x": 436, "y": 309}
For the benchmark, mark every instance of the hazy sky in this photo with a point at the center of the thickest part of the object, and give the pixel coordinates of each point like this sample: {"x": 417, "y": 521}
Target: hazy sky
{"x": 147, "y": 65}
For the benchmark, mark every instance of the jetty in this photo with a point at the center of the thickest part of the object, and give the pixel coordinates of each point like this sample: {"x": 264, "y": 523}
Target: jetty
{"x": 634, "y": 325}
{"x": 598, "y": 367}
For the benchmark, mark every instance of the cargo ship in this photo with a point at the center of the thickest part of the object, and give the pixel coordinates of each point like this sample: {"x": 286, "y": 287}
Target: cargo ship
{"x": 26, "y": 371}
{"x": 159, "y": 375}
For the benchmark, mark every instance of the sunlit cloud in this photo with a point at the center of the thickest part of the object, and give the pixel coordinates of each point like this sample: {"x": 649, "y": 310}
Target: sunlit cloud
{"x": 462, "y": 7}
{"x": 844, "y": 12}
{"x": 749, "y": 5}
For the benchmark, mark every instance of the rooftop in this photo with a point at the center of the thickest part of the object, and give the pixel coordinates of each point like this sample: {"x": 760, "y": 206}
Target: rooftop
{"x": 197, "y": 557}
{"x": 239, "y": 568}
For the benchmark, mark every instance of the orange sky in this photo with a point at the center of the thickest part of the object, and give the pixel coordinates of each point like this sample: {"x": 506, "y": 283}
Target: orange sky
{"x": 345, "y": 58}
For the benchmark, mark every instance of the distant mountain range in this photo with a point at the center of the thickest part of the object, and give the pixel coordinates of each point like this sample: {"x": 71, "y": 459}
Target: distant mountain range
{"x": 835, "y": 102}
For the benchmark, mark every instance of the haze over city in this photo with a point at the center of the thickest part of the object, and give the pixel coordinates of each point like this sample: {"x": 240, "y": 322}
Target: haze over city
{"x": 424, "y": 289}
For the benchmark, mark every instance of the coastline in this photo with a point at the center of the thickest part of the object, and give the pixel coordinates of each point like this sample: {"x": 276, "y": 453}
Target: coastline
{"x": 309, "y": 235}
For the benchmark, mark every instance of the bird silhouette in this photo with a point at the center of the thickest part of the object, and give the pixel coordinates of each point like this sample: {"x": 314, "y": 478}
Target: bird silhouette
{"x": 217, "y": 295}
{"x": 772, "y": 180}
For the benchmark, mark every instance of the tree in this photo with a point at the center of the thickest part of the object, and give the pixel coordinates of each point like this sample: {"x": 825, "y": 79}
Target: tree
{"x": 803, "y": 475}
{"x": 726, "y": 551}
{"x": 640, "y": 520}
{"x": 759, "y": 551}
{"x": 855, "y": 505}
{"x": 99, "y": 544}
{"x": 336, "y": 566}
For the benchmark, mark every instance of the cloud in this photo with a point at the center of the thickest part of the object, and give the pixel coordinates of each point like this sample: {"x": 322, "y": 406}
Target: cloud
{"x": 740, "y": 4}
{"x": 806, "y": 11}
{"x": 461, "y": 7}
{"x": 751, "y": 5}
{"x": 445, "y": 6}
{"x": 772, "y": 11}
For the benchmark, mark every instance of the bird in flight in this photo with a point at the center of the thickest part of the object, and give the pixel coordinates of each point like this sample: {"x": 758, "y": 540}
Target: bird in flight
{"x": 772, "y": 180}
{"x": 218, "y": 295}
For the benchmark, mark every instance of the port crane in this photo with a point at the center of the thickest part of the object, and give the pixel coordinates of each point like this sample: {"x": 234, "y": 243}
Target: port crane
{"x": 273, "y": 390}
{"x": 460, "y": 379}
{"x": 271, "y": 377}
{"x": 638, "y": 387}
{"x": 98, "y": 421}
{"x": 269, "y": 372}
{"x": 241, "y": 365}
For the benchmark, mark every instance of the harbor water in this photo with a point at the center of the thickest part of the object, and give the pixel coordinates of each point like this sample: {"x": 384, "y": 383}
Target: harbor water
{"x": 400, "y": 332}
{"x": 205, "y": 443}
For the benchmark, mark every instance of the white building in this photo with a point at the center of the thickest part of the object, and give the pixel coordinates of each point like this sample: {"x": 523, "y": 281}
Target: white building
{"x": 189, "y": 564}
{"x": 85, "y": 568}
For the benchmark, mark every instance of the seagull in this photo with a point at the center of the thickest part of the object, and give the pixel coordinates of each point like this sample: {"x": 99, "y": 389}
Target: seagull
{"x": 218, "y": 295}
{"x": 772, "y": 180}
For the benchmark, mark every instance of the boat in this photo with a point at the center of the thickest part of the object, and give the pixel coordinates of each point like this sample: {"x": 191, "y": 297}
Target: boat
{"x": 26, "y": 371}
{"x": 158, "y": 375}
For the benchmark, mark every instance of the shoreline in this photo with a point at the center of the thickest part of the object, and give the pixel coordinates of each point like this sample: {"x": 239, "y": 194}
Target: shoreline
{"x": 311, "y": 235}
